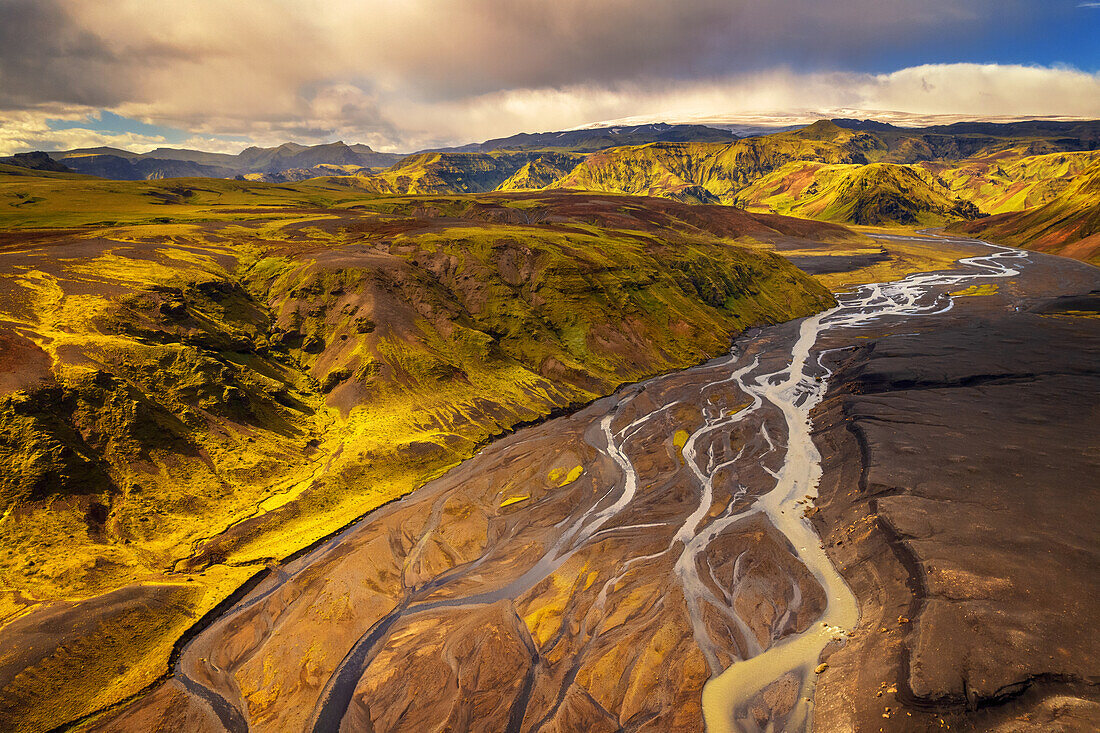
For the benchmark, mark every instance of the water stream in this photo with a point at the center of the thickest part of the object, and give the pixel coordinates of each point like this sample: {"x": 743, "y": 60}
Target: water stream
{"x": 779, "y": 448}
{"x": 796, "y": 390}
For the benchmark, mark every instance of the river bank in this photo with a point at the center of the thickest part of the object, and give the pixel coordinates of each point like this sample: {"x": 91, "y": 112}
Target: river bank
{"x": 958, "y": 501}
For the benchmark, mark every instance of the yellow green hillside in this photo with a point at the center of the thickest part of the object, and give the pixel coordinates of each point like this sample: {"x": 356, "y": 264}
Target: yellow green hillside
{"x": 1067, "y": 225}
{"x": 878, "y": 193}
{"x": 1013, "y": 180}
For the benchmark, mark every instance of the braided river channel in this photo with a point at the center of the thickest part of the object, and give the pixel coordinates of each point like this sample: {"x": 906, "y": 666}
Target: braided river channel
{"x": 645, "y": 563}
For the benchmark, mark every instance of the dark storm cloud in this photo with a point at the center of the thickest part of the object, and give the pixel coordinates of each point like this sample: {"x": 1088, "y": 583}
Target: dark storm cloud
{"x": 46, "y": 57}
{"x": 61, "y": 52}
{"x": 455, "y": 49}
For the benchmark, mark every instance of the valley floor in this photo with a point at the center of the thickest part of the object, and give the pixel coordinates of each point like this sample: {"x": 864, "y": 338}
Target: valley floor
{"x": 592, "y": 572}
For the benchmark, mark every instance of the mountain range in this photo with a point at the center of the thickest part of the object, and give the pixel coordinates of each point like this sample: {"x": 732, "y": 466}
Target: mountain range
{"x": 294, "y": 162}
{"x": 845, "y": 171}
{"x": 591, "y": 139}
{"x": 842, "y": 171}
{"x": 287, "y": 162}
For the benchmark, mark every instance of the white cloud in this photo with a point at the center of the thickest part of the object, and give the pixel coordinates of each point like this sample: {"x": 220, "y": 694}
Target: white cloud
{"x": 28, "y": 130}
{"x": 917, "y": 95}
{"x": 987, "y": 89}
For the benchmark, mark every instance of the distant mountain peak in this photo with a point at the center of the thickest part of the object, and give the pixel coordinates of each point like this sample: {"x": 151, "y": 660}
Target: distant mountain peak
{"x": 849, "y": 123}
{"x": 102, "y": 150}
{"x": 288, "y": 161}
{"x": 820, "y": 130}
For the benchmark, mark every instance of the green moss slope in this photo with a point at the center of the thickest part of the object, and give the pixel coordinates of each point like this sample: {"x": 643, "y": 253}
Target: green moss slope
{"x": 873, "y": 194}
{"x": 1068, "y": 225}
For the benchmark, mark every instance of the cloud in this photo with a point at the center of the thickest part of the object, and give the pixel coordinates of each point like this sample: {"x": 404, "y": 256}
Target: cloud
{"x": 47, "y": 57}
{"x": 781, "y": 96}
{"x": 26, "y": 130}
{"x": 257, "y": 54}
{"x": 987, "y": 89}
{"x": 399, "y": 75}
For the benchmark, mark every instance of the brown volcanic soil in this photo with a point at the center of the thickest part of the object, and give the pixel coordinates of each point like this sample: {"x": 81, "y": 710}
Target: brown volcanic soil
{"x": 959, "y": 501}
{"x": 23, "y": 364}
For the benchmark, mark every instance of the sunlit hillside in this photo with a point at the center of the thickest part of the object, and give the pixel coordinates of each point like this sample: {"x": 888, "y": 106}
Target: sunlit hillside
{"x": 1068, "y": 224}
{"x": 878, "y": 193}
{"x": 200, "y": 377}
{"x": 827, "y": 171}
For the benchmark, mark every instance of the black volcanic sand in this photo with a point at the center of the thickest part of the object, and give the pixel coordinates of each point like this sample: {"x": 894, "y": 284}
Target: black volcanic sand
{"x": 962, "y": 466}
{"x": 830, "y": 264}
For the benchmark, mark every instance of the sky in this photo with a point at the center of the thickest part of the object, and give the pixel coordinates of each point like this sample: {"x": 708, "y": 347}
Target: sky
{"x": 403, "y": 75}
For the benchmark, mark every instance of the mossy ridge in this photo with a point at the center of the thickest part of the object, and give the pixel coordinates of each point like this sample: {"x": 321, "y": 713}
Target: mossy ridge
{"x": 451, "y": 172}
{"x": 158, "y": 385}
{"x": 1014, "y": 179}
{"x": 1068, "y": 225}
{"x": 539, "y": 172}
{"x": 226, "y": 391}
{"x": 161, "y": 415}
{"x": 515, "y": 350}
{"x": 873, "y": 194}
